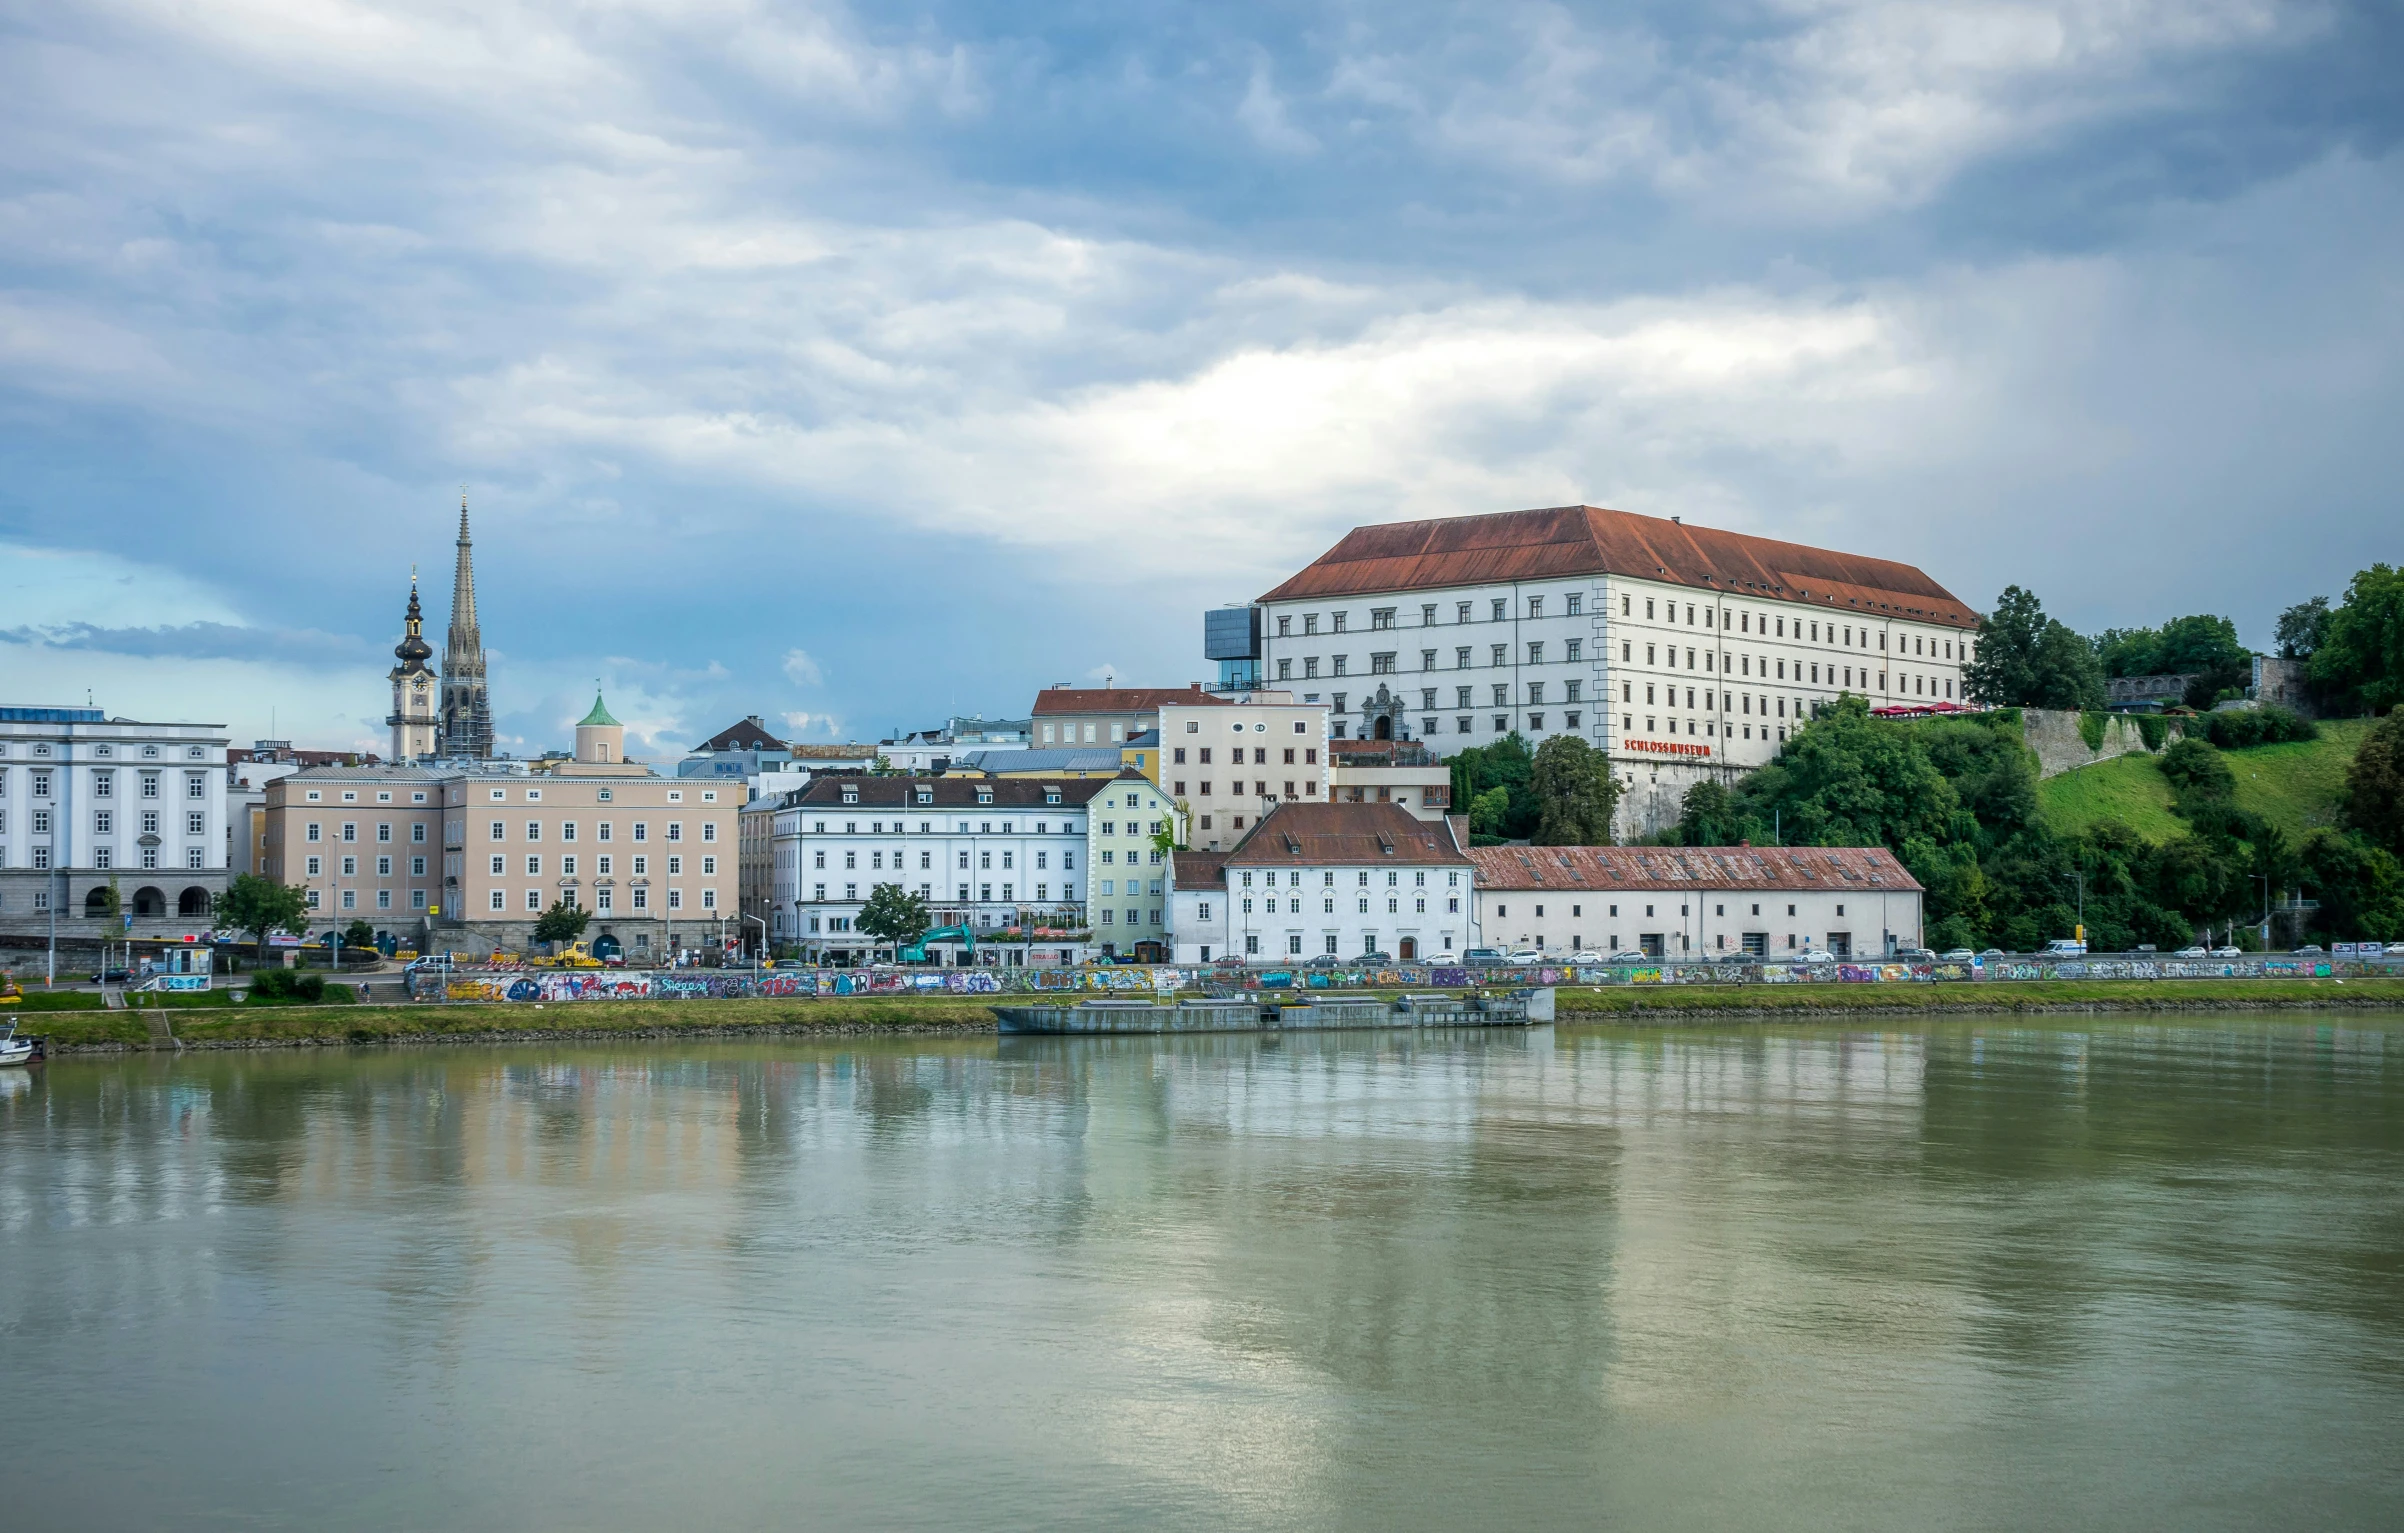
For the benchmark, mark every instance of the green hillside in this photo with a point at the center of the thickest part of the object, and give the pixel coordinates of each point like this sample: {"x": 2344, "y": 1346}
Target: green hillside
{"x": 2294, "y": 787}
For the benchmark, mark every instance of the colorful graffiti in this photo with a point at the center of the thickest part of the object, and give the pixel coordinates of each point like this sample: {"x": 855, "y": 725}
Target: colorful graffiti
{"x": 520, "y": 984}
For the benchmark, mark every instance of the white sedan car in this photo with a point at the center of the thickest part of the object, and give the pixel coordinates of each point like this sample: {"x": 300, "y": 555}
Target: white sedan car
{"x": 1819, "y": 955}
{"x": 2228, "y": 952}
{"x": 1588, "y": 956}
{"x": 1525, "y": 955}
{"x": 2193, "y": 952}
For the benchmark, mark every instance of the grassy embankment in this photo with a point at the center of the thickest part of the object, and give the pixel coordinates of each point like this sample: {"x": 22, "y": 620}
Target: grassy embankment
{"x": 298, "y": 1025}
{"x": 382, "y": 1024}
{"x": 2294, "y": 787}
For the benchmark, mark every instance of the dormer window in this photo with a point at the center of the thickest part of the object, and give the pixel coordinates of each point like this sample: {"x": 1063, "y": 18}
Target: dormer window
{"x": 984, "y": 795}
{"x": 926, "y": 795}
{"x": 1051, "y": 796}
{"x": 851, "y": 795}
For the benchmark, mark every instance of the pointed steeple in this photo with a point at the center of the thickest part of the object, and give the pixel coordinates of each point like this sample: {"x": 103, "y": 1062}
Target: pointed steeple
{"x": 466, "y": 705}
{"x": 413, "y": 651}
{"x": 413, "y": 718}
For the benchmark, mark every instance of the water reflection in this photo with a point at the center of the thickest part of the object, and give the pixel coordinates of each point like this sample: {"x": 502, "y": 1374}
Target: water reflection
{"x": 1751, "y": 1279}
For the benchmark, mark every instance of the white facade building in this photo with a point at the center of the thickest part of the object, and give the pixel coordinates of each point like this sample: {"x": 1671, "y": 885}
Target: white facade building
{"x": 1329, "y": 879}
{"x": 88, "y": 802}
{"x": 988, "y": 853}
{"x": 1695, "y": 902}
{"x": 1681, "y": 651}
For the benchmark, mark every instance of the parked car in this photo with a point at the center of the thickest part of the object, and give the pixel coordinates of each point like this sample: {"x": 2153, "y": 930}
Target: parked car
{"x": 1915, "y": 955}
{"x": 1633, "y": 955}
{"x": 113, "y": 977}
{"x": 1957, "y": 955}
{"x": 2308, "y": 950}
{"x": 2228, "y": 952}
{"x": 2395, "y": 950}
{"x": 2193, "y": 952}
{"x": 1817, "y": 955}
{"x": 1523, "y": 956}
{"x": 1478, "y": 955}
{"x": 1446, "y": 960}
{"x": 1992, "y": 952}
{"x": 1325, "y": 961}
{"x": 1588, "y": 956}
{"x": 1372, "y": 960}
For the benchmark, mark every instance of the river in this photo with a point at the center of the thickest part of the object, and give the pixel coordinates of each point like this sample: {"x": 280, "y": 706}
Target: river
{"x": 2123, "y": 1275}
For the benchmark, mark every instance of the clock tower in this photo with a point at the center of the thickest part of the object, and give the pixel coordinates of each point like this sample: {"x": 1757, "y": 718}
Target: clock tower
{"x": 415, "y": 725}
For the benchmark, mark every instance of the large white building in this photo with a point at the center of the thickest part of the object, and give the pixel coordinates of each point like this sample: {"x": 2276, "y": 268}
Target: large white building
{"x": 990, "y": 853}
{"x": 1694, "y": 902}
{"x": 91, "y": 804}
{"x": 1309, "y": 880}
{"x": 1682, "y": 651}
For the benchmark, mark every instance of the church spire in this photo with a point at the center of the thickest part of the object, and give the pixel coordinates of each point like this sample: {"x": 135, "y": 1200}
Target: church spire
{"x": 412, "y": 719}
{"x": 466, "y": 705}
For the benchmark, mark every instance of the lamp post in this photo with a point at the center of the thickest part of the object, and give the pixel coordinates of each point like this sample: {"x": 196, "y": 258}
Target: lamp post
{"x": 763, "y": 926}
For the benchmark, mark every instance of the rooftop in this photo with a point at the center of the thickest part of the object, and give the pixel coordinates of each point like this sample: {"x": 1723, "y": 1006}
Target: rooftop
{"x": 1067, "y": 699}
{"x": 949, "y": 792}
{"x": 1690, "y": 867}
{"x": 1568, "y": 542}
{"x": 748, "y": 735}
{"x": 1198, "y": 870}
{"x": 1314, "y": 834}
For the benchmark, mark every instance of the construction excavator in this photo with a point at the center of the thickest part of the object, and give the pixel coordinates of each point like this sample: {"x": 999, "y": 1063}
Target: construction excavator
{"x": 916, "y": 952}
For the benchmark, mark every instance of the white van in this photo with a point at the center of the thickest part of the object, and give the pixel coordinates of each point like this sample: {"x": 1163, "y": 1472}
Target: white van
{"x": 2065, "y": 947}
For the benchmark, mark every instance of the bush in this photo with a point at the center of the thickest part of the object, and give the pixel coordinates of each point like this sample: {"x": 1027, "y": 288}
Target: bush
{"x": 2155, "y": 729}
{"x": 2196, "y": 770}
{"x": 2091, "y": 729}
{"x": 2245, "y": 727}
{"x": 287, "y": 985}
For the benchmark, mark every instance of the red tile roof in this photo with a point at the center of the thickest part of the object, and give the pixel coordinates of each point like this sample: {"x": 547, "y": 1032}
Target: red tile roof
{"x": 1571, "y": 542}
{"x": 1690, "y": 867}
{"x": 1198, "y": 870}
{"x": 1315, "y": 834}
{"x": 1122, "y": 699}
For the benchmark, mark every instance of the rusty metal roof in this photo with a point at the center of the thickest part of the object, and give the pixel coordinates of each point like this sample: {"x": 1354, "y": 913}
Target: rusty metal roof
{"x": 1573, "y": 542}
{"x": 1351, "y": 834}
{"x": 1083, "y": 700}
{"x": 1869, "y": 869}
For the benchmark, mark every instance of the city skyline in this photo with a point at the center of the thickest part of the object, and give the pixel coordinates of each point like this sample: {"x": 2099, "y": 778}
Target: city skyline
{"x": 800, "y": 366}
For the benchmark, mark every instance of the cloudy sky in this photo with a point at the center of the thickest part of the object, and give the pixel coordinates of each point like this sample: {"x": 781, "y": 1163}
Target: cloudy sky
{"x": 853, "y": 365}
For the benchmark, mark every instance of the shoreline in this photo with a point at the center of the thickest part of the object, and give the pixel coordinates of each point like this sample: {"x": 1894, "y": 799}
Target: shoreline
{"x": 106, "y": 1033}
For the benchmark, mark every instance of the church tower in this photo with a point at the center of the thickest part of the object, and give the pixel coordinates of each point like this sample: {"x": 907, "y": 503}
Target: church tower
{"x": 466, "y": 706}
{"x": 415, "y": 727}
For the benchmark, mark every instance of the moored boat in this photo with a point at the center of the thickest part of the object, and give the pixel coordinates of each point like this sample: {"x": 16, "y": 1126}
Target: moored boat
{"x": 21, "y": 1051}
{"x": 1278, "y": 1013}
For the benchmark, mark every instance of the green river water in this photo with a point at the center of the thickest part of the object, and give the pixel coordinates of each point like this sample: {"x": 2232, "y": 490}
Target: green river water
{"x": 2124, "y": 1275}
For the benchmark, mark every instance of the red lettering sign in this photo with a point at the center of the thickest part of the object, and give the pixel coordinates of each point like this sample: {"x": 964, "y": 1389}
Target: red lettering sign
{"x": 1667, "y": 747}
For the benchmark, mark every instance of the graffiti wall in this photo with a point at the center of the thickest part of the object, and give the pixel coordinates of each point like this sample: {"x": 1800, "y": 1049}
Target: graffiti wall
{"x": 519, "y": 984}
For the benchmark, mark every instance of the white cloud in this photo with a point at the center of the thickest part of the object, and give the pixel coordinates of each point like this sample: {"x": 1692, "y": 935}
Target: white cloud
{"x": 801, "y": 669}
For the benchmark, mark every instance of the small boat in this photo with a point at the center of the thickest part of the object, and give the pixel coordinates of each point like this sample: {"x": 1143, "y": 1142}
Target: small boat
{"x": 1245, "y": 1014}
{"x": 21, "y": 1051}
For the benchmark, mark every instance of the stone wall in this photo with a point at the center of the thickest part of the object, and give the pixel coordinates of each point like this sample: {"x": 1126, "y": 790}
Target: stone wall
{"x": 2054, "y": 735}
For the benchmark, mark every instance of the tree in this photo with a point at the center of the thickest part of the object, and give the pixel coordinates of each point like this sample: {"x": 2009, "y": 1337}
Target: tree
{"x": 1575, "y": 793}
{"x": 893, "y": 914}
{"x": 2302, "y": 628}
{"x": 2374, "y": 798}
{"x": 358, "y": 933}
{"x": 2028, "y": 660}
{"x": 2196, "y": 770}
{"x": 2202, "y": 646}
{"x": 2361, "y": 657}
{"x": 258, "y": 906}
{"x": 1488, "y": 811}
{"x": 1707, "y": 816}
{"x": 1507, "y": 764}
{"x": 563, "y": 922}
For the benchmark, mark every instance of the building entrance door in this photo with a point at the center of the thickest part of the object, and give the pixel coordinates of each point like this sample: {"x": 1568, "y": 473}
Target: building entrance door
{"x": 1408, "y": 951}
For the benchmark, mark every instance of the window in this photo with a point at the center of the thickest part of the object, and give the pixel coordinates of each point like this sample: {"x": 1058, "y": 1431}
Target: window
{"x": 500, "y": 901}
{"x": 1379, "y": 617}
{"x": 642, "y": 830}
{"x": 350, "y": 830}
{"x": 1382, "y": 665}
{"x": 196, "y": 785}
{"x": 417, "y": 867}
{"x": 1576, "y": 649}
{"x": 500, "y": 831}
{"x": 709, "y": 831}
{"x": 316, "y": 865}
{"x": 150, "y": 785}
{"x": 1340, "y": 662}
{"x": 417, "y": 832}
{"x": 383, "y": 867}
{"x": 500, "y": 866}
{"x": 1536, "y": 652}
{"x": 384, "y": 830}
{"x": 1576, "y": 605}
